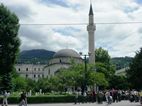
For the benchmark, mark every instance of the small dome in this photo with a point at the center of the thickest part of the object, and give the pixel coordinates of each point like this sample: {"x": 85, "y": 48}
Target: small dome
{"x": 66, "y": 53}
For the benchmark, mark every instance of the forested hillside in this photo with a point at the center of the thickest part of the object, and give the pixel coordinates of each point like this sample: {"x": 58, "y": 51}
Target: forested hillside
{"x": 121, "y": 62}
{"x": 36, "y": 56}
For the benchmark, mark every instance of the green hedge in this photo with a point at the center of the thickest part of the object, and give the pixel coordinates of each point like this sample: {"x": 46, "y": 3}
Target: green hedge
{"x": 47, "y": 99}
{"x": 51, "y": 99}
{"x": 42, "y": 99}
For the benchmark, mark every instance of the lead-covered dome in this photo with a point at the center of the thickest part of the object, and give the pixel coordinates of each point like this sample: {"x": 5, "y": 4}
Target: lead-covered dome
{"x": 66, "y": 53}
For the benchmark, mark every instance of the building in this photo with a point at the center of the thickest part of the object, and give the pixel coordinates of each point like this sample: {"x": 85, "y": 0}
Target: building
{"x": 33, "y": 71}
{"x": 62, "y": 59}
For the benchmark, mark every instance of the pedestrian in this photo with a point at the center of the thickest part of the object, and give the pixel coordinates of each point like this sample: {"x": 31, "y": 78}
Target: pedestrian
{"x": 76, "y": 97}
{"x": 23, "y": 99}
{"x": 5, "y": 96}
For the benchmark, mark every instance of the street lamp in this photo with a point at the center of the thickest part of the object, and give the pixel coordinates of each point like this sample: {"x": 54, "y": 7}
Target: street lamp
{"x": 84, "y": 85}
{"x": 0, "y": 48}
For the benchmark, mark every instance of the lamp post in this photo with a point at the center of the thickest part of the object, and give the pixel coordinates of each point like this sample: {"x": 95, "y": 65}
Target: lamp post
{"x": 84, "y": 85}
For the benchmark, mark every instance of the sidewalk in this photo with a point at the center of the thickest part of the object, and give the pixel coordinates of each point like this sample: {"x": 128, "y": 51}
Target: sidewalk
{"x": 122, "y": 103}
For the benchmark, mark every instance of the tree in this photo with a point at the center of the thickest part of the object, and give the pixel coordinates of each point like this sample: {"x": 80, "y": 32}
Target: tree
{"x": 9, "y": 45}
{"x": 74, "y": 77}
{"x": 106, "y": 69}
{"x": 103, "y": 64}
{"x": 19, "y": 83}
{"x": 97, "y": 78}
{"x": 45, "y": 84}
{"x": 119, "y": 82}
{"x": 134, "y": 73}
{"x": 102, "y": 56}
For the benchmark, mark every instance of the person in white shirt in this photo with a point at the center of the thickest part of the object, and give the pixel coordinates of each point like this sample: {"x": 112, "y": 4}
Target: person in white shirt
{"x": 5, "y": 96}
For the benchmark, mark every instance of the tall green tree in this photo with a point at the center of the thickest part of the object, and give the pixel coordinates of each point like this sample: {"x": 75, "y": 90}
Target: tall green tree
{"x": 134, "y": 73}
{"x": 19, "y": 83}
{"x": 102, "y": 56}
{"x": 9, "y": 45}
{"x": 103, "y": 64}
{"x": 119, "y": 82}
{"x": 107, "y": 69}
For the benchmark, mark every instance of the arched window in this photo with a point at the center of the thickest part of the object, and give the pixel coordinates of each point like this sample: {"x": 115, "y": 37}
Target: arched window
{"x": 19, "y": 69}
{"x": 49, "y": 72}
{"x": 26, "y": 75}
{"x": 34, "y": 75}
{"x": 26, "y": 69}
{"x": 38, "y": 76}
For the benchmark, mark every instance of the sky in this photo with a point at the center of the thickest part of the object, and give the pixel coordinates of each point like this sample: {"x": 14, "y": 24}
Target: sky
{"x": 69, "y": 19}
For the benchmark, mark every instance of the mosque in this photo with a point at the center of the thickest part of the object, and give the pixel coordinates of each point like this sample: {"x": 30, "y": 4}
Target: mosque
{"x": 61, "y": 59}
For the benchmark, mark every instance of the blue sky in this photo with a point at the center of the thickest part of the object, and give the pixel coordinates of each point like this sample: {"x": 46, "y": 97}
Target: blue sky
{"x": 56, "y": 2}
{"x": 119, "y": 39}
{"x": 139, "y": 1}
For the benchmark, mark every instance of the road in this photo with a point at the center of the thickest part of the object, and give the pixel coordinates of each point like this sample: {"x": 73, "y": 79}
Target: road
{"x": 122, "y": 103}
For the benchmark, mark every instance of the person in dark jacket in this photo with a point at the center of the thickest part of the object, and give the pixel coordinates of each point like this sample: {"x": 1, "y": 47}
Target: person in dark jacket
{"x": 23, "y": 99}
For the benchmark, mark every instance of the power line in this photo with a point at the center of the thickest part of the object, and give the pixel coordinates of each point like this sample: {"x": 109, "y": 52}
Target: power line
{"x": 56, "y": 24}
{"x": 132, "y": 22}
{"x": 49, "y": 24}
{"x": 62, "y": 24}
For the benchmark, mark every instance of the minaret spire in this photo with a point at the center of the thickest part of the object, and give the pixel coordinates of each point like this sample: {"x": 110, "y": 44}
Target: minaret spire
{"x": 91, "y": 10}
{"x": 91, "y": 32}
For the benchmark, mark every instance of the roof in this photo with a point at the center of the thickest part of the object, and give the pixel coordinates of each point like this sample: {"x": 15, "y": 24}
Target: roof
{"x": 66, "y": 53}
{"x": 91, "y": 10}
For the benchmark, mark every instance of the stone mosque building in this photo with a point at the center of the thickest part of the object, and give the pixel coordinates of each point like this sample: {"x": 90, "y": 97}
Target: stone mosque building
{"x": 61, "y": 59}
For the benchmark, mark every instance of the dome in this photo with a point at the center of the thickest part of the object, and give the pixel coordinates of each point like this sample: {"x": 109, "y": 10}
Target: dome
{"x": 66, "y": 53}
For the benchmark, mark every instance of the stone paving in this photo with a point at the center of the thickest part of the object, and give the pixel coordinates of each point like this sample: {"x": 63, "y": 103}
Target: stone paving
{"x": 122, "y": 103}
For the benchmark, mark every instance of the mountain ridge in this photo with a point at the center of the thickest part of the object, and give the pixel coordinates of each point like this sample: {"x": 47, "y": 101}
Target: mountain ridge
{"x": 42, "y": 56}
{"x": 35, "y": 56}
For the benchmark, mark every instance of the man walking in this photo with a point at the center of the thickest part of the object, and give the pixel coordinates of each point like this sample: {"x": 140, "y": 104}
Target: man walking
{"x": 5, "y": 96}
{"x": 23, "y": 99}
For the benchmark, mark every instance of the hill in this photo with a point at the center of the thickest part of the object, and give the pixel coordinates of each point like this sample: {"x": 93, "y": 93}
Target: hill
{"x": 43, "y": 56}
{"x": 35, "y": 56}
{"x": 121, "y": 62}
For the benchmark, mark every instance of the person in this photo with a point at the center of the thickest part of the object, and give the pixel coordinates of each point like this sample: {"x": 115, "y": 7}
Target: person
{"x": 108, "y": 96}
{"x": 5, "y": 96}
{"x": 140, "y": 95}
{"x": 23, "y": 99}
{"x": 76, "y": 97}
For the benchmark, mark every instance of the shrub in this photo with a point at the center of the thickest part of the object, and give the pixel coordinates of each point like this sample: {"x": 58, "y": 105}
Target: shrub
{"x": 41, "y": 99}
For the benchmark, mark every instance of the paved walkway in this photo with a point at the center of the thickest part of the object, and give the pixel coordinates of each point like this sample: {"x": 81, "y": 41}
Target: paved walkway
{"x": 122, "y": 103}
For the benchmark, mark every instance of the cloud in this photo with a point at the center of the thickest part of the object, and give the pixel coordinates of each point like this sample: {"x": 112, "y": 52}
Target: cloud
{"x": 118, "y": 39}
{"x": 22, "y": 11}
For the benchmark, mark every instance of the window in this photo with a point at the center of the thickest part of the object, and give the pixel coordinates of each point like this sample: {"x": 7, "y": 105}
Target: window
{"x": 26, "y": 69}
{"x": 38, "y": 76}
{"x": 38, "y": 69}
{"x": 42, "y": 75}
{"x": 49, "y": 72}
{"x": 19, "y": 69}
{"x": 34, "y": 75}
{"x": 35, "y": 69}
{"x": 26, "y": 75}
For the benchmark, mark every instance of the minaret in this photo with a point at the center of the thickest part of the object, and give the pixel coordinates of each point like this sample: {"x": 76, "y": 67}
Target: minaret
{"x": 91, "y": 31}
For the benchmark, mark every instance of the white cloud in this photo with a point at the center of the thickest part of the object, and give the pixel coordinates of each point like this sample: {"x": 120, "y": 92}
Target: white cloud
{"x": 118, "y": 39}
